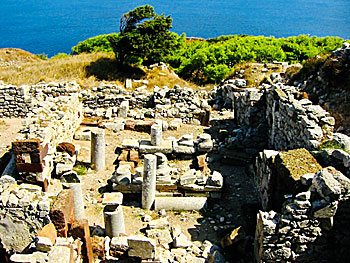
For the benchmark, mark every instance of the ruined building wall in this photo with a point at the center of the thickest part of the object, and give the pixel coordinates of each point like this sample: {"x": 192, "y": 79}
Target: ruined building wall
{"x": 292, "y": 121}
{"x": 104, "y": 101}
{"x": 312, "y": 226}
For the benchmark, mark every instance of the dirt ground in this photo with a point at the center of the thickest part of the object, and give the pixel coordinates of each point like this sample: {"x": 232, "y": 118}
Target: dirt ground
{"x": 235, "y": 207}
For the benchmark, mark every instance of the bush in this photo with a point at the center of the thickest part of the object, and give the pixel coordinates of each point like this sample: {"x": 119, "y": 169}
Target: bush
{"x": 42, "y": 56}
{"x": 94, "y": 44}
{"x": 60, "y": 55}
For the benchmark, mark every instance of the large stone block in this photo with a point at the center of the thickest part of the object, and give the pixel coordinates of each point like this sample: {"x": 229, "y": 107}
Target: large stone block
{"x": 62, "y": 212}
{"x": 141, "y": 246}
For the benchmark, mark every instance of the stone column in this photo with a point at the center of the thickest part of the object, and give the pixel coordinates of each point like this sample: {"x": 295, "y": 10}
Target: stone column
{"x": 114, "y": 220}
{"x": 98, "y": 150}
{"x": 156, "y": 134}
{"x": 149, "y": 181}
{"x": 78, "y": 201}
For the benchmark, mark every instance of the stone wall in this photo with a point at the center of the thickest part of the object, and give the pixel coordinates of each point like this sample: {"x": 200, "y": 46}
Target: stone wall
{"x": 14, "y": 101}
{"x": 312, "y": 224}
{"x": 105, "y": 101}
{"x": 291, "y": 119}
{"x": 54, "y": 121}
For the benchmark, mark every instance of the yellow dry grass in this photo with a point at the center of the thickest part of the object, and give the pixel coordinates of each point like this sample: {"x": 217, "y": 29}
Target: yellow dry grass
{"x": 165, "y": 77}
{"x": 58, "y": 70}
{"x": 16, "y": 57}
{"x": 88, "y": 70}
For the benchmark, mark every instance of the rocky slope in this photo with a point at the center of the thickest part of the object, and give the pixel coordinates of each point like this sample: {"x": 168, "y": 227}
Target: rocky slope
{"x": 329, "y": 86}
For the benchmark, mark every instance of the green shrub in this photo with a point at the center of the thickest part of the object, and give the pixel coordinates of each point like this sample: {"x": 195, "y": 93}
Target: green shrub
{"x": 42, "y": 56}
{"x": 94, "y": 44}
{"x": 60, "y": 55}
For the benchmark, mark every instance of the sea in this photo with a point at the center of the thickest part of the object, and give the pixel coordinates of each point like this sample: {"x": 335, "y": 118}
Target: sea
{"x": 54, "y": 26}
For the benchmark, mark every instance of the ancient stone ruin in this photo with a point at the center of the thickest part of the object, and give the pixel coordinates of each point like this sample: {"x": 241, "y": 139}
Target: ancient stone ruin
{"x": 260, "y": 169}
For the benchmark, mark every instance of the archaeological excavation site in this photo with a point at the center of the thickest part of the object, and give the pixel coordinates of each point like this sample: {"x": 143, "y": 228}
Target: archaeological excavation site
{"x": 140, "y": 173}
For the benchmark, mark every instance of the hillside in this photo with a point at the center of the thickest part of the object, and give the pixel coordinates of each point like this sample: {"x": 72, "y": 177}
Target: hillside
{"x": 15, "y": 57}
{"x": 19, "y": 67}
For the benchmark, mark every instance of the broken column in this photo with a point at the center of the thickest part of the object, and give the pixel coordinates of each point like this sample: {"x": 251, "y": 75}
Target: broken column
{"x": 123, "y": 109}
{"x": 114, "y": 220}
{"x": 113, "y": 214}
{"x": 78, "y": 201}
{"x": 149, "y": 181}
{"x": 156, "y": 134}
{"x": 98, "y": 150}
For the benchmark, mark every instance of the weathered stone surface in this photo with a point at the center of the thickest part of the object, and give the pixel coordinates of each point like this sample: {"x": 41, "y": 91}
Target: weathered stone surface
{"x": 165, "y": 147}
{"x": 115, "y": 198}
{"x": 49, "y": 231}
{"x": 60, "y": 254}
{"x": 80, "y": 229}
{"x": 326, "y": 185}
{"x": 180, "y": 203}
{"x": 295, "y": 163}
{"x": 141, "y": 246}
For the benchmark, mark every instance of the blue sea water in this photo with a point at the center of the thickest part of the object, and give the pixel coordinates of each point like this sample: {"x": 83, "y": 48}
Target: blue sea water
{"x": 53, "y": 26}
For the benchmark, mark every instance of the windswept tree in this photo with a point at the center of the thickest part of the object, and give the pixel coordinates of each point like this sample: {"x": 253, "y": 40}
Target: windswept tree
{"x": 144, "y": 37}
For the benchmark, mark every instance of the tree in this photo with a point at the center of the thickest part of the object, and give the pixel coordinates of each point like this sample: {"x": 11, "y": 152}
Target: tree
{"x": 144, "y": 37}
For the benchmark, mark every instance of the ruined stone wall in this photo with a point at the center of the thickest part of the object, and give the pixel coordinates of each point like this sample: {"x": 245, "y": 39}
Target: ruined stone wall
{"x": 312, "y": 224}
{"x": 292, "y": 121}
{"x": 104, "y": 101}
{"x": 14, "y": 101}
{"x": 54, "y": 121}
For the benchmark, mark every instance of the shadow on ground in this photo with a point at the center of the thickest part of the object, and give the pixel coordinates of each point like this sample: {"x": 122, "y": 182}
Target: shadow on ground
{"x": 107, "y": 69}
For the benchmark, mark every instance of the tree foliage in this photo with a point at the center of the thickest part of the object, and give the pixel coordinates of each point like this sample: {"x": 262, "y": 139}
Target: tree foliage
{"x": 144, "y": 37}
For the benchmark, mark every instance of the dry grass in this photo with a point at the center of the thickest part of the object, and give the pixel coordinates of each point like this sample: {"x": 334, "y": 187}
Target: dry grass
{"x": 88, "y": 70}
{"x": 10, "y": 57}
{"x": 253, "y": 73}
{"x": 165, "y": 77}
{"x": 58, "y": 70}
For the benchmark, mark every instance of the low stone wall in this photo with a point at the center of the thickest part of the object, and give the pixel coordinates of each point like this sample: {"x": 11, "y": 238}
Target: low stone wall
{"x": 311, "y": 226}
{"x": 14, "y": 101}
{"x": 105, "y": 101}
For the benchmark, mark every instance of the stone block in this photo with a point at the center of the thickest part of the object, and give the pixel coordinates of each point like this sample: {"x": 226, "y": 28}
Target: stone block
{"x": 131, "y": 144}
{"x": 43, "y": 244}
{"x": 66, "y": 147}
{"x": 215, "y": 179}
{"x": 49, "y": 231}
{"x": 62, "y": 168}
{"x": 115, "y": 198}
{"x": 62, "y": 212}
{"x": 134, "y": 156}
{"x": 123, "y": 155}
{"x": 60, "y": 254}
{"x": 291, "y": 165}
{"x": 326, "y": 185}
{"x": 23, "y": 258}
{"x": 141, "y": 246}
